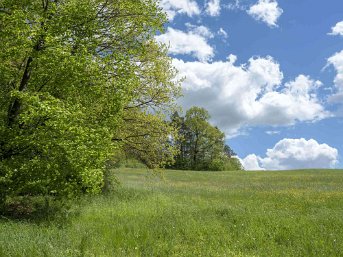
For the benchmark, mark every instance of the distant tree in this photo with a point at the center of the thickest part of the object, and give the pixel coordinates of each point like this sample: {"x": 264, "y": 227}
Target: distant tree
{"x": 201, "y": 145}
{"x": 70, "y": 71}
{"x": 198, "y": 135}
{"x": 228, "y": 151}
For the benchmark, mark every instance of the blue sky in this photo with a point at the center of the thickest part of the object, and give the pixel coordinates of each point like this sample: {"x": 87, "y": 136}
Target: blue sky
{"x": 270, "y": 72}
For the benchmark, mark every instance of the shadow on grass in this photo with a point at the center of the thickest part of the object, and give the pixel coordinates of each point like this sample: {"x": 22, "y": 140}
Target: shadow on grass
{"x": 46, "y": 210}
{"x": 39, "y": 209}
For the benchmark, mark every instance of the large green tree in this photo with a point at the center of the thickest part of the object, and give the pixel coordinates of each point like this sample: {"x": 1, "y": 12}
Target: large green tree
{"x": 70, "y": 70}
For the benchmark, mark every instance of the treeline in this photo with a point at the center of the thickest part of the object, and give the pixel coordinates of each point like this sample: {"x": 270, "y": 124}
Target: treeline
{"x": 200, "y": 145}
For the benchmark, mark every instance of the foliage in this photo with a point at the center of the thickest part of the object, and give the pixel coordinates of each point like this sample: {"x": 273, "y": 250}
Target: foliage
{"x": 201, "y": 145}
{"x": 144, "y": 132}
{"x": 225, "y": 163}
{"x": 144, "y": 136}
{"x": 68, "y": 72}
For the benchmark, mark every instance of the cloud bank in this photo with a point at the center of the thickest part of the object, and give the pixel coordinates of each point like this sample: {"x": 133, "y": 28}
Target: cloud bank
{"x": 294, "y": 154}
{"x": 250, "y": 94}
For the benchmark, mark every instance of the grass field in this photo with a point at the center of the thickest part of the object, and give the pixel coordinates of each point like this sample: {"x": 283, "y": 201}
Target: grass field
{"x": 182, "y": 213}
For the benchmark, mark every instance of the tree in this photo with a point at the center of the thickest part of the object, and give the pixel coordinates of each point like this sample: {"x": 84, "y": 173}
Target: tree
{"x": 196, "y": 120}
{"x": 144, "y": 133}
{"x": 228, "y": 151}
{"x": 69, "y": 72}
{"x": 201, "y": 145}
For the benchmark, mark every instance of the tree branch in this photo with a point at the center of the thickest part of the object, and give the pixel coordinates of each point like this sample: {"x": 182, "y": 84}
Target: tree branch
{"x": 14, "y": 108}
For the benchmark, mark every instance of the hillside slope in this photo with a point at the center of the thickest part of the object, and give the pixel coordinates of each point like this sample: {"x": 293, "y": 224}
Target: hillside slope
{"x": 189, "y": 213}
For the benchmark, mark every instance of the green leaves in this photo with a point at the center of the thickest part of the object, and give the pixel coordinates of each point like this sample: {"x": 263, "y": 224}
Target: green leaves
{"x": 70, "y": 73}
{"x": 201, "y": 145}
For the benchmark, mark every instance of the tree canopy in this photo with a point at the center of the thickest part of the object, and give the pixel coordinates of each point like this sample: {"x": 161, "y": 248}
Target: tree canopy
{"x": 201, "y": 145}
{"x": 77, "y": 81}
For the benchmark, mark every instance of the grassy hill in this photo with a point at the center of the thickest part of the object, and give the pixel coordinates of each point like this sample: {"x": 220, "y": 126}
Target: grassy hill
{"x": 189, "y": 213}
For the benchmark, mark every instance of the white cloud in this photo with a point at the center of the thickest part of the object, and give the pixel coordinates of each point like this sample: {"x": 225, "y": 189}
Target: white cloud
{"x": 200, "y": 30}
{"x": 251, "y": 162}
{"x": 337, "y": 61}
{"x": 232, "y": 59}
{"x": 267, "y": 11}
{"x": 294, "y": 154}
{"x": 236, "y": 5}
{"x": 246, "y": 95}
{"x": 213, "y": 7}
{"x": 337, "y": 30}
{"x": 221, "y": 32}
{"x": 174, "y": 7}
{"x": 193, "y": 43}
{"x": 273, "y": 132}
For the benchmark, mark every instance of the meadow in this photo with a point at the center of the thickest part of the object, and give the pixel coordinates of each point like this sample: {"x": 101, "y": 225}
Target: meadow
{"x": 190, "y": 213}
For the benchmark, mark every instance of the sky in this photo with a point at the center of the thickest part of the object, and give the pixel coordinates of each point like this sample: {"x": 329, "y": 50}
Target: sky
{"x": 270, "y": 73}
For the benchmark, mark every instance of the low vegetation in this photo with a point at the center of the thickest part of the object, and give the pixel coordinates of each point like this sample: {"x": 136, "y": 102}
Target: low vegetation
{"x": 188, "y": 213}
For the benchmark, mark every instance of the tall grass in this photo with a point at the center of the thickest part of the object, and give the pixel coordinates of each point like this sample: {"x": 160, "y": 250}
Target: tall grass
{"x": 186, "y": 213}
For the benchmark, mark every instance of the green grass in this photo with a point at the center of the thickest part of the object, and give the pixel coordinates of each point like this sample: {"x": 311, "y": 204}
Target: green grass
{"x": 188, "y": 213}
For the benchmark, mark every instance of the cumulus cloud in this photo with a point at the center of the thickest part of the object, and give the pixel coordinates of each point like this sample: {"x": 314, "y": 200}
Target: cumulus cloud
{"x": 266, "y": 11}
{"x": 337, "y": 62}
{"x": 250, "y": 94}
{"x": 294, "y": 154}
{"x": 174, "y": 7}
{"x": 251, "y": 162}
{"x": 213, "y": 7}
{"x": 337, "y": 30}
{"x": 193, "y": 42}
{"x": 199, "y": 30}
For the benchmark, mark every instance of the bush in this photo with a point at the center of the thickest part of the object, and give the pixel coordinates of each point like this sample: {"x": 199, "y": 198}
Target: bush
{"x": 36, "y": 208}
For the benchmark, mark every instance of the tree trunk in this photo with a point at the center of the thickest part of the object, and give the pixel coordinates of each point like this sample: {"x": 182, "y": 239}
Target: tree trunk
{"x": 14, "y": 109}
